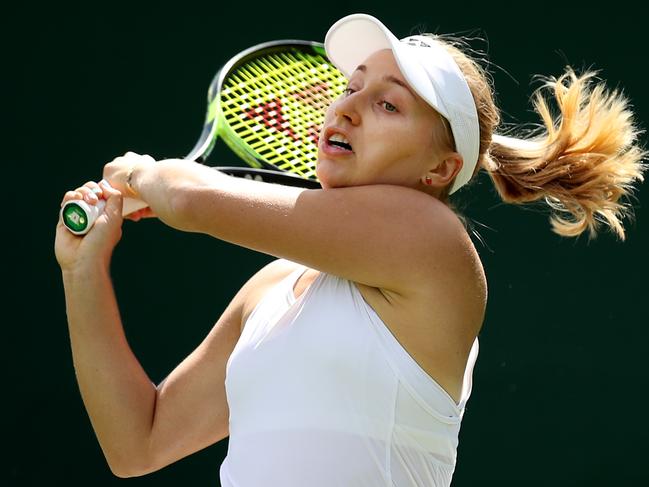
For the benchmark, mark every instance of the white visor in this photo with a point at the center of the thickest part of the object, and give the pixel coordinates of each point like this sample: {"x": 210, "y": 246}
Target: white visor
{"x": 429, "y": 69}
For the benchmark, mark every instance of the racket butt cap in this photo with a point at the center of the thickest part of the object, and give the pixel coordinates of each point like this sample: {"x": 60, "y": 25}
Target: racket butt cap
{"x": 79, "y": 217}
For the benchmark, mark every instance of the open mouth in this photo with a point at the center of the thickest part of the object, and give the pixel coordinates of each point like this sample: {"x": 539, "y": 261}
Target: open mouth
{"x": 339, "y": 140}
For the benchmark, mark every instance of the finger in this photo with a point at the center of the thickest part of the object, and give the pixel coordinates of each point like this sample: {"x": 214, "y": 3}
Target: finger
{"x": 114, "y": 200}
{"x": 107, "y": 189}
{"x": 88, "y": 195}
{"x": 71, "y": 195}
{"x": 94, "y": 187}
{"x": 114, "y": 203}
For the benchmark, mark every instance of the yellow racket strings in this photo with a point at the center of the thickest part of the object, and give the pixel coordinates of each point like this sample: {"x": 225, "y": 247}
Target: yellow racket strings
{"x": 275, "y": 104}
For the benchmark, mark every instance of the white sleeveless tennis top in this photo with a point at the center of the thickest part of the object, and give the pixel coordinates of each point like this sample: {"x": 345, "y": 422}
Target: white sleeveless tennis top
{"x": 321, "y": 394}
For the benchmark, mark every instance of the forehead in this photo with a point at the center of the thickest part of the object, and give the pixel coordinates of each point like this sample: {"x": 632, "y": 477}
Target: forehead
{"x": 380, "y": 63}
{"x": 382, "y": 67}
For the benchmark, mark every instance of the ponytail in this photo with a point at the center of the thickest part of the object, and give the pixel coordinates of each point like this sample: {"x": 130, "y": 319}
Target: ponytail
{"x": 583, "y": 163}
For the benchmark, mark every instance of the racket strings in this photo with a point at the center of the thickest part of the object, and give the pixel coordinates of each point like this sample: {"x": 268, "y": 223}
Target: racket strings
{"x": 275, "y": 104}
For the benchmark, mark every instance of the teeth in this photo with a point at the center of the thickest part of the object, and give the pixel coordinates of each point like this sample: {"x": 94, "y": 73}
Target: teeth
{"x": 338, "y": 138}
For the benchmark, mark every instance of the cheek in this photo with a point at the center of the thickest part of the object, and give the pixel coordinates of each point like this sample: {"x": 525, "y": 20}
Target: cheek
{"x": 331, "y": 109}
{"x": 325, "y": 121}
{"x": 412, "y": 148}
{"x": 426, "y": 140}
{"x": 412, "y": 140}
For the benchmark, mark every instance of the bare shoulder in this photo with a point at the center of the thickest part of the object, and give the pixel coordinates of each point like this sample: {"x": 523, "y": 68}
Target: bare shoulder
{"x": 442, "y": 254}
{"x": 462, "y": 261}
{"x": 454, "y": 276}
{"x": 431, "y": 247}
{"x": 437, "y": 313}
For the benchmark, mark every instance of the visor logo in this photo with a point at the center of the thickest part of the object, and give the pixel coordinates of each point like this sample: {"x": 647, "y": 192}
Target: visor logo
{"x": 416, "y": 42}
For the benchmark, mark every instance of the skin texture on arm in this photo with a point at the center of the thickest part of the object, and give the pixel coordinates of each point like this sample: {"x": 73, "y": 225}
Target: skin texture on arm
{"x": 117, "y": 393}
{"x": 140, "y": 427}
{"x": 369, "y": 234}
{"x": 192, "y": 411}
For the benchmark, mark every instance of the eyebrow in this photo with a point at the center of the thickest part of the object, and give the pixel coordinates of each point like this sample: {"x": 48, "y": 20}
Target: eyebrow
{"x": 388, "y": 78}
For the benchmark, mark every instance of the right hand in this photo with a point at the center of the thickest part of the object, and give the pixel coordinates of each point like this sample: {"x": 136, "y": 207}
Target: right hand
{"x": 96, "y": 247}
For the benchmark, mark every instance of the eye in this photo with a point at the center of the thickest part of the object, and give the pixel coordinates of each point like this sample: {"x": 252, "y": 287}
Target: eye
{"x": 388, "y": 106}
{"x": 348, "y": 91}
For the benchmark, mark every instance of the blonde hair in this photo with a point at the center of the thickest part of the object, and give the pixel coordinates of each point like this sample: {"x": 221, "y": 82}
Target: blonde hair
{"x": 583, "y": 162}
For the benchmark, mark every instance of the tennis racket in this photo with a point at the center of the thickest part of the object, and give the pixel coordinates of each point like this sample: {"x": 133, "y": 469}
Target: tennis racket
{"x": 267, "y": 104}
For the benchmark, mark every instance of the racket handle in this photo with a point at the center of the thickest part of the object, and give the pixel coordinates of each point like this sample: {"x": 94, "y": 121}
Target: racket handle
{"x": 79, "y": 216}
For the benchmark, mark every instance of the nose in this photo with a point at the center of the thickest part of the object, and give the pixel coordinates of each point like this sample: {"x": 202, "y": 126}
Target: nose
{"x": 347, "y": 107}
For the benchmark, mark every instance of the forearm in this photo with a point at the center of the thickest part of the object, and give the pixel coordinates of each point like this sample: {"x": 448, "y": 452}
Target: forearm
{"x": 118, "y": 396}
{"x": 195, "y": 198}
{"x": 167, "y": 185}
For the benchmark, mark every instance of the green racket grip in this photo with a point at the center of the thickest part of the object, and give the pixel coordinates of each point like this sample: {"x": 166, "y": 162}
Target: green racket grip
{"x": 79, "y": 216}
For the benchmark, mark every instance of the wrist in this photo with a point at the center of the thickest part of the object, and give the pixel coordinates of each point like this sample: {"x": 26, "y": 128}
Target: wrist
{"x": 83, "y": 271}
{"x": 133, "y": 176}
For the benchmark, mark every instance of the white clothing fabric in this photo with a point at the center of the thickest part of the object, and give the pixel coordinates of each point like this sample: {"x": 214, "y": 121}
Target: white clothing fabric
{"x": 321, "y": 394}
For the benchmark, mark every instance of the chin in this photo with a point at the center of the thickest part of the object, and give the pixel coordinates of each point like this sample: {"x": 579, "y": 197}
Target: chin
{"x": 322, "y": 177}
{"x": 330, "y": 182}
{"x": 332, "y": 175}
{"x": 325, "y": 183}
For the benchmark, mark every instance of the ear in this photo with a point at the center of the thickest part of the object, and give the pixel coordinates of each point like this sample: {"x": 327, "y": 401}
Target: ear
{"x": 444, "y": 173}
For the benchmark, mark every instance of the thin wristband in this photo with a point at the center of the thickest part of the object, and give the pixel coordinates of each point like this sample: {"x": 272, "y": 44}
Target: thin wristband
{"x": 129, "y": 176}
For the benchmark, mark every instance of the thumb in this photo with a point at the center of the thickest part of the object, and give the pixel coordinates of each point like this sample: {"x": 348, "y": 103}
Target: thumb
{"x": 114, "y": 203}
{"x": 107, "y": 230}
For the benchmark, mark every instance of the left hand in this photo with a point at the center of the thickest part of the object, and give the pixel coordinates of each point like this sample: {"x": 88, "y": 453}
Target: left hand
{"x": 118, "y": 170}
{"x": 75, "y": 253}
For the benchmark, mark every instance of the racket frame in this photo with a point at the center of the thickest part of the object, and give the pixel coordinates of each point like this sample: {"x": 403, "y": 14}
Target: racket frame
{"x": 215, "y": 123}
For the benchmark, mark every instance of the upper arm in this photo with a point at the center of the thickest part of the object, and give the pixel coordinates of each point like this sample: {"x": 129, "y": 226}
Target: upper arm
{"x": 389, "y": 237}
{"x": 191, "y": 410}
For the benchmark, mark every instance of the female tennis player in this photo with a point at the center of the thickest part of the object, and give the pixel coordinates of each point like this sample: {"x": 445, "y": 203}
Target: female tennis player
{"x": 348, "y": 360}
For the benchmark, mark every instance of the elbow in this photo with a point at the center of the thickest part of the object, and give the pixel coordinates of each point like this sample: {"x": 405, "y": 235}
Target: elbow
{"x": 124, "y": 465}
{"x": 125, "y": 470}
{"x": 123, "y": 473}
{"x": 122, "y": 470}
{"x": 129, "y": 470}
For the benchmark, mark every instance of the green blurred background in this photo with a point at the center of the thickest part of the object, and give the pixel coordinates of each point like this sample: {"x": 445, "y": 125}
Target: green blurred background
{"x": 560, "y": 395}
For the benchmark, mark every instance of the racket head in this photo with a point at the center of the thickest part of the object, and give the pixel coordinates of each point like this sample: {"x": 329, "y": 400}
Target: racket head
{"x": 268, "y": 104}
